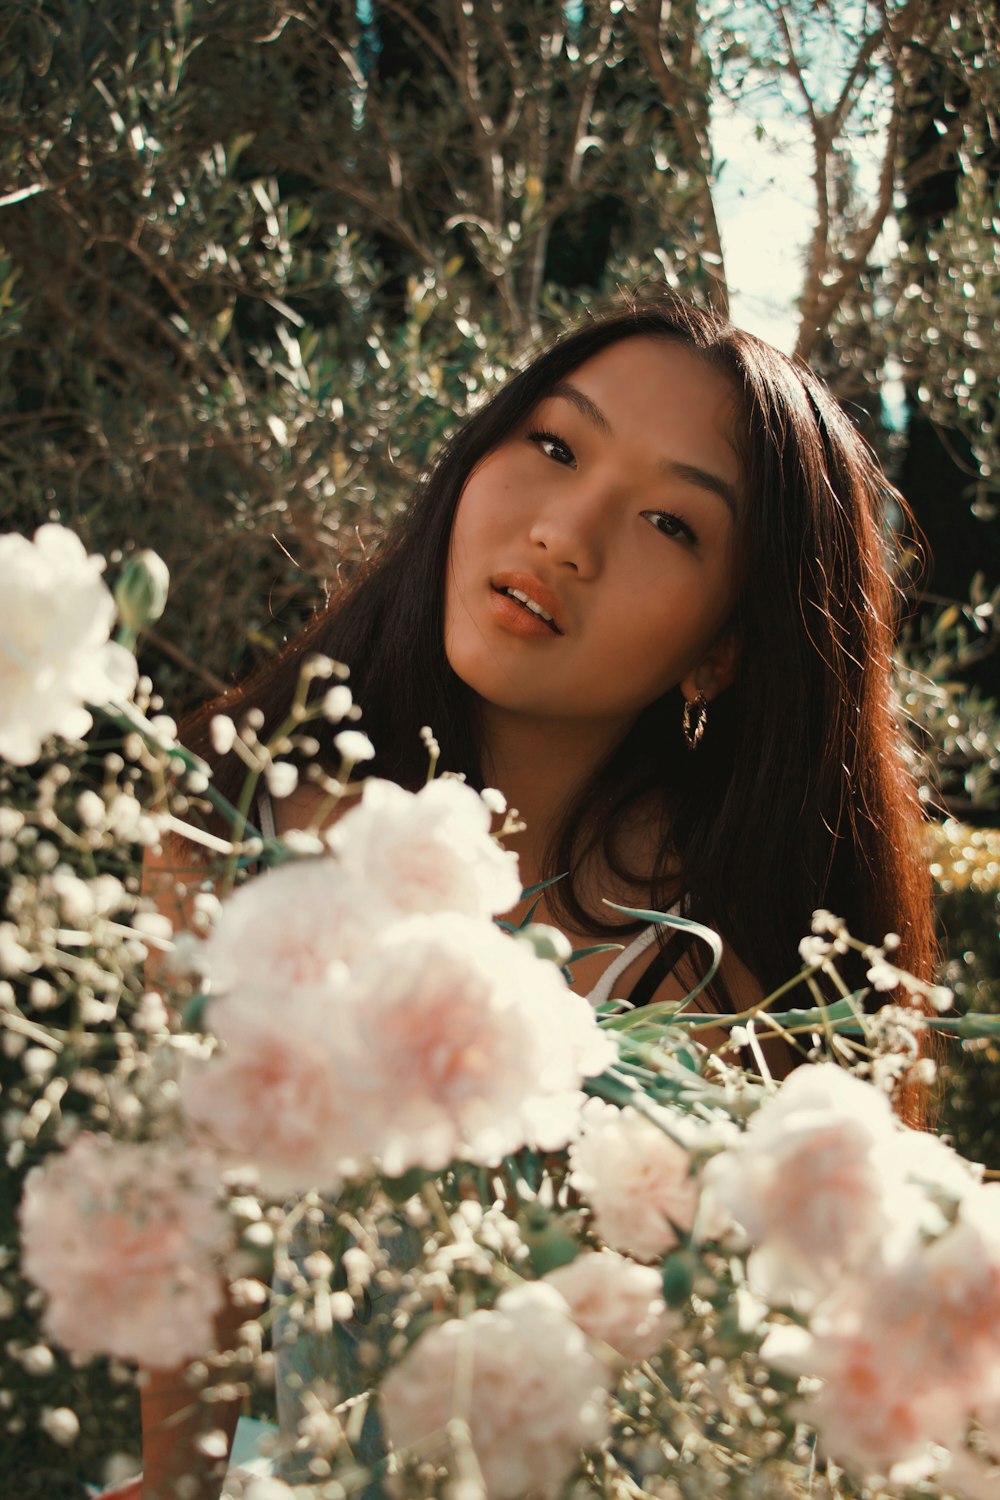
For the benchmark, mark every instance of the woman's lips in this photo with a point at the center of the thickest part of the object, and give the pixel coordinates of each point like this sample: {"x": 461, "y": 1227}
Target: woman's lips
{"x": 528, "y": 596}
{"x": 516, "y": 618}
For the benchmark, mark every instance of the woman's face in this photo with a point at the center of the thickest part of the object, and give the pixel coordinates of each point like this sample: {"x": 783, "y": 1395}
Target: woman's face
{"x": 591, "y": 562}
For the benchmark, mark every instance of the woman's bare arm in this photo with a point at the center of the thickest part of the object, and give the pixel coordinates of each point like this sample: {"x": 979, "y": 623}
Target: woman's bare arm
{"x": 174, "y": 1420}
{"x": 173, "y": 1417}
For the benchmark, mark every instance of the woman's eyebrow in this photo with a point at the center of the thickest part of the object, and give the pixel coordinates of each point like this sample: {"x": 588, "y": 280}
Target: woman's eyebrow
{"x": 583, "y": 403}
{"x": 672, "y": 468}
{"x": 703, "y": 478}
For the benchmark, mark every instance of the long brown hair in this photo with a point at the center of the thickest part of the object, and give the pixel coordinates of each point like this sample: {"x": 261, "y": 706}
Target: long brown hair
{"x": 798, "y": 797}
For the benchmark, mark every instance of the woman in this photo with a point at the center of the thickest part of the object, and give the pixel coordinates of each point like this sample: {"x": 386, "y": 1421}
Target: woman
{"x": 720, "y": 553}
{"x": 644, "y": 593}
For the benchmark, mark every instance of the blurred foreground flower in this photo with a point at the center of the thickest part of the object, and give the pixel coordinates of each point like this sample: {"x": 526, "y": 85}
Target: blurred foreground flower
{"x": 354, "y": 1033}
{"x": 825, "y": 1182}
{"x": 906, "y": 1355}
{"x": 470, "y": 1045}
{"x": 123, "y": 1240}
{"x": 808, "y": 1182}
{"x": 514, "y": 1391}
{"x": 429, "y": 851}
{"x": 637, "y": 1180}
{"x": 55, "y": 651}
{"x": 616, "y": 1302}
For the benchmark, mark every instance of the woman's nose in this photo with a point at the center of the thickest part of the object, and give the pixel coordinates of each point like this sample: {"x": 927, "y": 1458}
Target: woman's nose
{"x": 569, "y": 533}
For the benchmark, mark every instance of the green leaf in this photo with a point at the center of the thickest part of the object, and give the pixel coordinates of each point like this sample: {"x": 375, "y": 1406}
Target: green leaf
{"x": 679, "y": 1272}
{"x": 543, "y": 885}
{"x": 579, "y": 953}
{"x": 194, "y": 1011}
{"x": 401, "y": 1189}
{"x": 684, "y": 924}
{"x": 842, "y": 1016}
{"x": 549, "y": 1243}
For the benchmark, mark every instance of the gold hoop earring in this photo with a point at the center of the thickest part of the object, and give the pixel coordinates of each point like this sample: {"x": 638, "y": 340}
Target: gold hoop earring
{"x": 695, "y": 719}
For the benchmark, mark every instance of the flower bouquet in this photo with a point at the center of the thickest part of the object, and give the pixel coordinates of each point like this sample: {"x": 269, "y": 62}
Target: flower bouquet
{"x": 481, "y": 1239}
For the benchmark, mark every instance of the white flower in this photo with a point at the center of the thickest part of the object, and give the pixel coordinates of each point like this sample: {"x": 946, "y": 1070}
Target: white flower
{"x": 428, "y": 851}
{"x": 352, "y": 1033}
{"x": 354, "y": 746}
{"x": 61, "y": 1424}
{"x": 55, "y": 652}
{"x": 223, "y": 733}
{"x": 164, "y": 730}
{"x": 883, "y": 976}
{"x": 616, "y": 1301}
{"x": 466, "y": 1044}
{"x": 43, "y": 995}
{"x": 12, "y": 821}
{"x": 337, "y": 703}
{"x": 289, "y": 927}
{"x": 15, "y": 958}
{"x": 154, "y": 926}
{"x": 282, "y": 778}
{"x": 151, "y": 1013}
{"x": 90, "y": 809}
{"x": 636, "y": 1179}
{"x": 494, "y": 801}
{"x": 940, "y": 996}
{"x": 109, "y": 894}
{"x": 523, "y": 1379}
{"x": 124, "y": 815}
{"x": 76, "y": 899}
{"x": 812, "y": 1183}
{"x": 38, "y": 1360}
{"x": 122, "y": 1239}
{"x": 276, "y": 1097}
{"x": 814, "y": 950}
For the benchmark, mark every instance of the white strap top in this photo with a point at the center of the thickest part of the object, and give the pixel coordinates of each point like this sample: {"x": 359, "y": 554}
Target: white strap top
{"x": 617, "y": 967}
{"x": 265, "y": 814}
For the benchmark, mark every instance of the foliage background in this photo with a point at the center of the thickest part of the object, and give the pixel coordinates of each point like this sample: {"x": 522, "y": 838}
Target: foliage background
{"x": 257, "y": 258}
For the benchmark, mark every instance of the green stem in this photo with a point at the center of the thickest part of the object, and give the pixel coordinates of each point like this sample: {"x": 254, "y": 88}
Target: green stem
{"x": 191, "y": 762}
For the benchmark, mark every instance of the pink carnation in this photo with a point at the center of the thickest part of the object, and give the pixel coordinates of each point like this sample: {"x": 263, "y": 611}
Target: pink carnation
{"x": 466, "y": 1044}
{"x": 815, "y": 1183}
{"x": 290, "y": 926}
{"x": 276, "y": 1095}
{"x": 123, "y": 1238}
{"x": 907, "y": 1353}
{"x": 616, "y": 1301}
{"x": 449, "y": 1039}
{"x": 521, "y": 1376}
{"x": 636, "y": 1179}
{"x": 427, "y": 851}
{"x": 869, "y": 1413}
{"x": 943, "y": 1302}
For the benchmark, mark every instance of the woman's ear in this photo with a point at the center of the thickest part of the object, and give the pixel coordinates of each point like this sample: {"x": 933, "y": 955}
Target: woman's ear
{"x": 716, "y": 670}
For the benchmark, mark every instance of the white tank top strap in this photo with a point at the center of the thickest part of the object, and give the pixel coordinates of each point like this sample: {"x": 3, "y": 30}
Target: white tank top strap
{"x": 265, "y": 813}
{"x": 617, "y": 967}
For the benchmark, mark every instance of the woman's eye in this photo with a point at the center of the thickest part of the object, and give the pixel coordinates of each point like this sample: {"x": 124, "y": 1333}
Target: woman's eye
{"x": 553, "y": 447}
{"x": 670, "y": 525}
